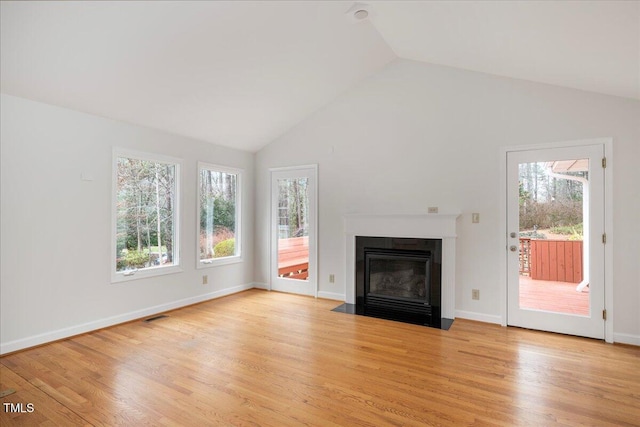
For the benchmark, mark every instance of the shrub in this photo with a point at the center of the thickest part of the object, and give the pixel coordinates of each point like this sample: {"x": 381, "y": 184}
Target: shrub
{"x": 224, "y": 248}
{"x": 575, "y": 232}
{"x": 549, "y": 215}
{"x": 568, "y": 229}
{"x": 135, "y": 259}
{"x": 221, "y": 233}
{"x": 121, "y": 264}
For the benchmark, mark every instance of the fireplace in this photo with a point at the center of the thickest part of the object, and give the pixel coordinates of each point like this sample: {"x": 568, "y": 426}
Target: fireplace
{"x": 399, "y": 279}
{"x": 430, "y": 236}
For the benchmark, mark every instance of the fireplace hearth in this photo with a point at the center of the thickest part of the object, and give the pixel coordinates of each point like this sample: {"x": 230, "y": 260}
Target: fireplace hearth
{"x": 399, "y": 279}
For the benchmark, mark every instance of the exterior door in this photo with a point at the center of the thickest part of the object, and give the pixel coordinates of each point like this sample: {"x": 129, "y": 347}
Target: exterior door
{"x": 555, "y": 250}
{"x": 294, "y": 230}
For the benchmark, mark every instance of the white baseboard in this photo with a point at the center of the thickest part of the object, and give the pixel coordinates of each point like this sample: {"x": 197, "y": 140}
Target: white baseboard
{"x": 626, "y": 339}
{"x": 59, "y": 334}
{"x": 332, "y": 295}
{"x": 480, "y": 317}
{"x": 258, "y": 285}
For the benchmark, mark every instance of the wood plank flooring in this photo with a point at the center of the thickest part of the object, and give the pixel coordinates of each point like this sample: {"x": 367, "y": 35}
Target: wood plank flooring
{"x": 263, "y": 358}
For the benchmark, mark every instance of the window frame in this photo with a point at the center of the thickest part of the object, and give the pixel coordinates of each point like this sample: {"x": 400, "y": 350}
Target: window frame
{"x": 233, "y": 259}
{"x": 120, "y": 276}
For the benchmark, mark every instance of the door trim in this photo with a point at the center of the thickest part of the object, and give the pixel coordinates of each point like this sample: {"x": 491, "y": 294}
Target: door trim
{"x": 313, "y": 243}
{"x": 608, "y": 223}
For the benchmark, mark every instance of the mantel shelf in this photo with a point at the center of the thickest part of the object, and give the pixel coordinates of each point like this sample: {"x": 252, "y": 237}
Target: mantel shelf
{"x": 446, "y": 214}
{"x": 440, "y": 225}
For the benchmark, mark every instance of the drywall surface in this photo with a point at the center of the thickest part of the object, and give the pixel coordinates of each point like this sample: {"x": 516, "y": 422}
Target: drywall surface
{"x": 416, "y": 135}
{"x": 56, "y": 227}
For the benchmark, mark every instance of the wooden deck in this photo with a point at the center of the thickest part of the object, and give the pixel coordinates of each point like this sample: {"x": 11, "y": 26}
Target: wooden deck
{"x": 553, "y": 296}
{"x": 293, "y": 258}
{"x": 263, "y": 358}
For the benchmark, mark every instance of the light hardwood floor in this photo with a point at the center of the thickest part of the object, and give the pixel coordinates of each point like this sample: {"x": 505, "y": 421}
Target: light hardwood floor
{"x": 263, "y": 358}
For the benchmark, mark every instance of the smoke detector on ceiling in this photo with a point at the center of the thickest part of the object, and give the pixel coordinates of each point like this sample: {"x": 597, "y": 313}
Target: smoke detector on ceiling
{"x": 359, "y": 12}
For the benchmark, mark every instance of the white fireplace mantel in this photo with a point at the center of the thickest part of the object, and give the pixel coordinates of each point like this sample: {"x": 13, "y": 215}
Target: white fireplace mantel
{"x": 422, "y": 226}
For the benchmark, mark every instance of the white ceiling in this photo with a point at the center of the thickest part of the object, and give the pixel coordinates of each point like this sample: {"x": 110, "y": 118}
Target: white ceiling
{"x": 242, "y": 73}
{"x": 588, "y": 45}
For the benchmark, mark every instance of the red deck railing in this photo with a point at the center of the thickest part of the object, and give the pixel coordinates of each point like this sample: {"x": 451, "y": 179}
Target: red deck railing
{"x": 555, "y": 260}
{"x": 525, "y": 256}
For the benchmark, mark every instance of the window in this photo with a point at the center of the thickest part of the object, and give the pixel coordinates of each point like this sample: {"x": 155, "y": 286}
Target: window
{"x": 218, "y": 215}
{"x": 146, "y": 215}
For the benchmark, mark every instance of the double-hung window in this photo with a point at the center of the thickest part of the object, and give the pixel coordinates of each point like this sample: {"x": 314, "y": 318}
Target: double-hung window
{"x": 218, "y": 215}
{"x": 146, "y": 206}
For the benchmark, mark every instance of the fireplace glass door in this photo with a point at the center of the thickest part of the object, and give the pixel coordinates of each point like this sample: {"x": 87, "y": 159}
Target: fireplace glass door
{"x": 397, "y": 276}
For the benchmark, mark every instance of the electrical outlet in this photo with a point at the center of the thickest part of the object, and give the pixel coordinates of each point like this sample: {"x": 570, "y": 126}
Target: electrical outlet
{"x": 475, "y": 293}
{"x": 432, "y": 209}
{"x": 205, "y": 279}
{"x": 332, "y": 278}
{"x": 475, "y": 217}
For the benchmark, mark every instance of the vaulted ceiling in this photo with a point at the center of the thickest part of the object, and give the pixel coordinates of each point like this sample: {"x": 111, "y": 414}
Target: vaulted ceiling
{"x": 241, "y": 73}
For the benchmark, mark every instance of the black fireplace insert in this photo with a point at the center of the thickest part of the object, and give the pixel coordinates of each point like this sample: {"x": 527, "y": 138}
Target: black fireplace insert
{"x": 399, "y": 279}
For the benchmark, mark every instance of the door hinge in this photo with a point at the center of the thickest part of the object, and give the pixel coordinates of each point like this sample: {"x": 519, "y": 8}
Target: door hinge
{"x": 604, "y": 162}
{"x": 604, "y": 314}
{"x": 604, "y": 238}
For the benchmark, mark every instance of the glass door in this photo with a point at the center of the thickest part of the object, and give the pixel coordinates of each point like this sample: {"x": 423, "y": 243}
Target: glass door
{"x": 555, "y": 219}
{"x": 293, "y": 236}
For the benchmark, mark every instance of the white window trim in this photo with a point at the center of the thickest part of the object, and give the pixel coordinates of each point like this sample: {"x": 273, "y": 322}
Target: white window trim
{"x": 118, "y": 277}
{"x": 234, "y": 259}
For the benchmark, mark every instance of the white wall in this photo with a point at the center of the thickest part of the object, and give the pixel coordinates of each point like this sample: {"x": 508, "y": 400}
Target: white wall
{"x": 409, "y": 137}
{"x": 416, "y": 135}
{"x": 56, "y": 228}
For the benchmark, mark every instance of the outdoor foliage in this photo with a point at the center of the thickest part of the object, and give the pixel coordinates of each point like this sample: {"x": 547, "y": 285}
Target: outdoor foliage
{"x": 217, "y": 212}
{"x": 136, "y": 258}
{"x": 575, "y": 232}
{"x": 550, "y": 214}
{"x": 145, "y": 208}
{"x": 293, "y": 208}
{"x": 546, "y": 201}
{"x": 573, "y": 229}
{"x": 224, "y": 248}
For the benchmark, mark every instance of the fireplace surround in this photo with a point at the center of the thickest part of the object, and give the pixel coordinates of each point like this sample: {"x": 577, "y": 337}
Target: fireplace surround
{"x": 399, "y": 279}
{"x": 440, "y": 227}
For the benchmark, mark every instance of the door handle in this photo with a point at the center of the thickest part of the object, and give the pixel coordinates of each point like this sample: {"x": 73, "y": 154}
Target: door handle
{"x": 512, "y": 235}
{"x": 513, "y": 248}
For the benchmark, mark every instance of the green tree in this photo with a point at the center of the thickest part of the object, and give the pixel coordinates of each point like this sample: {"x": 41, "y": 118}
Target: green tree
{"x": 145, "y": 191}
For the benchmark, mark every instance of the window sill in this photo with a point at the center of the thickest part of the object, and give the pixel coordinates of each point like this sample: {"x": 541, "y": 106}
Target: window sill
{"x": 215, "y": 262}
{"x": 145, "y": 274}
